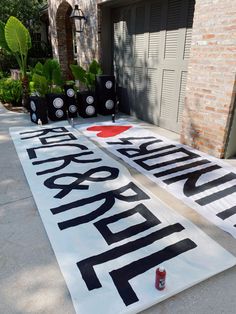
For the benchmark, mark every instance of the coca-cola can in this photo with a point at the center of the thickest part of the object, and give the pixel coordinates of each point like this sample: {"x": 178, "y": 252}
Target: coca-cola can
{"x": 160, "y": 282}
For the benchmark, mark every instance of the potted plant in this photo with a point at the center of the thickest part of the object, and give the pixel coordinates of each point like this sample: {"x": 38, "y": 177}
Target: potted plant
{"x": 46, "y": 90}
{"x": 86, "y": 98}
{"x": 38, "y": 89}
{"x": 55, "y": 96}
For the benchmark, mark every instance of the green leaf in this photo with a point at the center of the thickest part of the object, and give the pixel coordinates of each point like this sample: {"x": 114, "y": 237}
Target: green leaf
{"x": 79, "y": 73}
{"x": 3, "y": 43}
{"x": 90, "y": 80}
{"x": 57, "y": 77}
{"x": 17, "y": 36}
{"x": 47, "y": 70}
{"x": 56, "y": 90}
{"x": 52, "y": 72}
{"x": 40, "y": 84}
{"x": 38, "y": 68}
{"x": 95, "y": 68}
{"x": 32, "y": 88}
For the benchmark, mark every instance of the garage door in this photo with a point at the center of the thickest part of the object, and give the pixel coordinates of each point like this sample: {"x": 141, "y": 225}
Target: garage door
{"x": 151, "y": 48}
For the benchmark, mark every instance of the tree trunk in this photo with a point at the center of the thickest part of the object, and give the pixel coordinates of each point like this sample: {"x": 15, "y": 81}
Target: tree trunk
{"x": 25, "y": 96}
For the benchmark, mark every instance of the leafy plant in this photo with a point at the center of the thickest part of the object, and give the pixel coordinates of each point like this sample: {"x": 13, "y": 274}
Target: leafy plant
{"x": 87, "y": 77}
{"x": 46, "y": 78}
{"x": 15, "y": 38}
{"x": 10, "y": 91}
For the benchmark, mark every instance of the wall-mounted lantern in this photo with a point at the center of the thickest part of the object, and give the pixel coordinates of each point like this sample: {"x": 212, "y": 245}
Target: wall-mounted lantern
{"x": 78, "y": 15}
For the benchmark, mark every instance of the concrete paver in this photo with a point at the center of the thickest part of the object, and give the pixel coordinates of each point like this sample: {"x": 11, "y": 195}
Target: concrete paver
{"x": 30, "y": 278}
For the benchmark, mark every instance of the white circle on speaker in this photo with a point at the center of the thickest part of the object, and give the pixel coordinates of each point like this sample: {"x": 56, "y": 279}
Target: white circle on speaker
{"x": 109, "y": 104}
{"x": 32, "y": 105}
{"x": 90, "y": 110}
{"x": 34, "y": 117}
{"x": 89, "y": 100}
{"x": 108, "y": 84}
{"x": 70, "y": 92}
{"x": 72, "y": 108}
{"x": 59, "y": 113}
{"x": 58, "y": 103}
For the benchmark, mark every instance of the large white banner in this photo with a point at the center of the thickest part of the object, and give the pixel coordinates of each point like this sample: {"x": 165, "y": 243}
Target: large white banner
{"x": 109, "y": 234}
{"x": 204, "y": 183}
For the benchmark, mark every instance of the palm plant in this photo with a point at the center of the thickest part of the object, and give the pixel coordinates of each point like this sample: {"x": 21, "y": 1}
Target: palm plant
{"x": 87, "y": 77}
{"x": 38, "y": 83}
{"x": 52, "y": 72}
{"x": 15, "y": 38}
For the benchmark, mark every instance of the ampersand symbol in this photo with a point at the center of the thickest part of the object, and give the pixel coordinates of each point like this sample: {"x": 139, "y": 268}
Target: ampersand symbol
{"x": 79, "y": 178}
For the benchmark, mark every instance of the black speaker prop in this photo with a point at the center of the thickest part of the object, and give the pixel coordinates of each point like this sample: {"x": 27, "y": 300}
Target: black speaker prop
{"x": 38, "y": 109}
{"x": 87, "y": 104}
{"x": 56, "y": 107}
{"x": 106, "y": 95}
{"x": 70, "y": 100}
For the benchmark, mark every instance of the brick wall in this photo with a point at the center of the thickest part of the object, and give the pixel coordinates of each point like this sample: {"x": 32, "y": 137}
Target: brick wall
{"x": 211, "y": 77}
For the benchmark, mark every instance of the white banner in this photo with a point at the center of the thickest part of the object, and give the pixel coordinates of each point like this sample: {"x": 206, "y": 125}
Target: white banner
{"x": 204, "y": 183}
{"x": 109, "y": 234}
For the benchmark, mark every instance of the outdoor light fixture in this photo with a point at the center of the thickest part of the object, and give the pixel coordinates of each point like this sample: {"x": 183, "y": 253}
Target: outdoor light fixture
{"x": 78, "y": 15}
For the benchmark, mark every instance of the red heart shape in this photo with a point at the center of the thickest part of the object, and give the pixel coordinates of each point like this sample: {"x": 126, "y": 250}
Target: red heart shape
{"x": 109, "y": 130}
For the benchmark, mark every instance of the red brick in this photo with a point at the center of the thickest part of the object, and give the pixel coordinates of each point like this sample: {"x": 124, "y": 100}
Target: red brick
{"x": 208, "y": 36}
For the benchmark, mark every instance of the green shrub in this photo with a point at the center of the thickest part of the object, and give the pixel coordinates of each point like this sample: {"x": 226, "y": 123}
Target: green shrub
{"x": 11, "y": 91}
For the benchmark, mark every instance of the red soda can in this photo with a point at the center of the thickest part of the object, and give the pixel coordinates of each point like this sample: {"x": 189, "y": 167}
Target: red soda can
{"x": 160, "y": 282}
